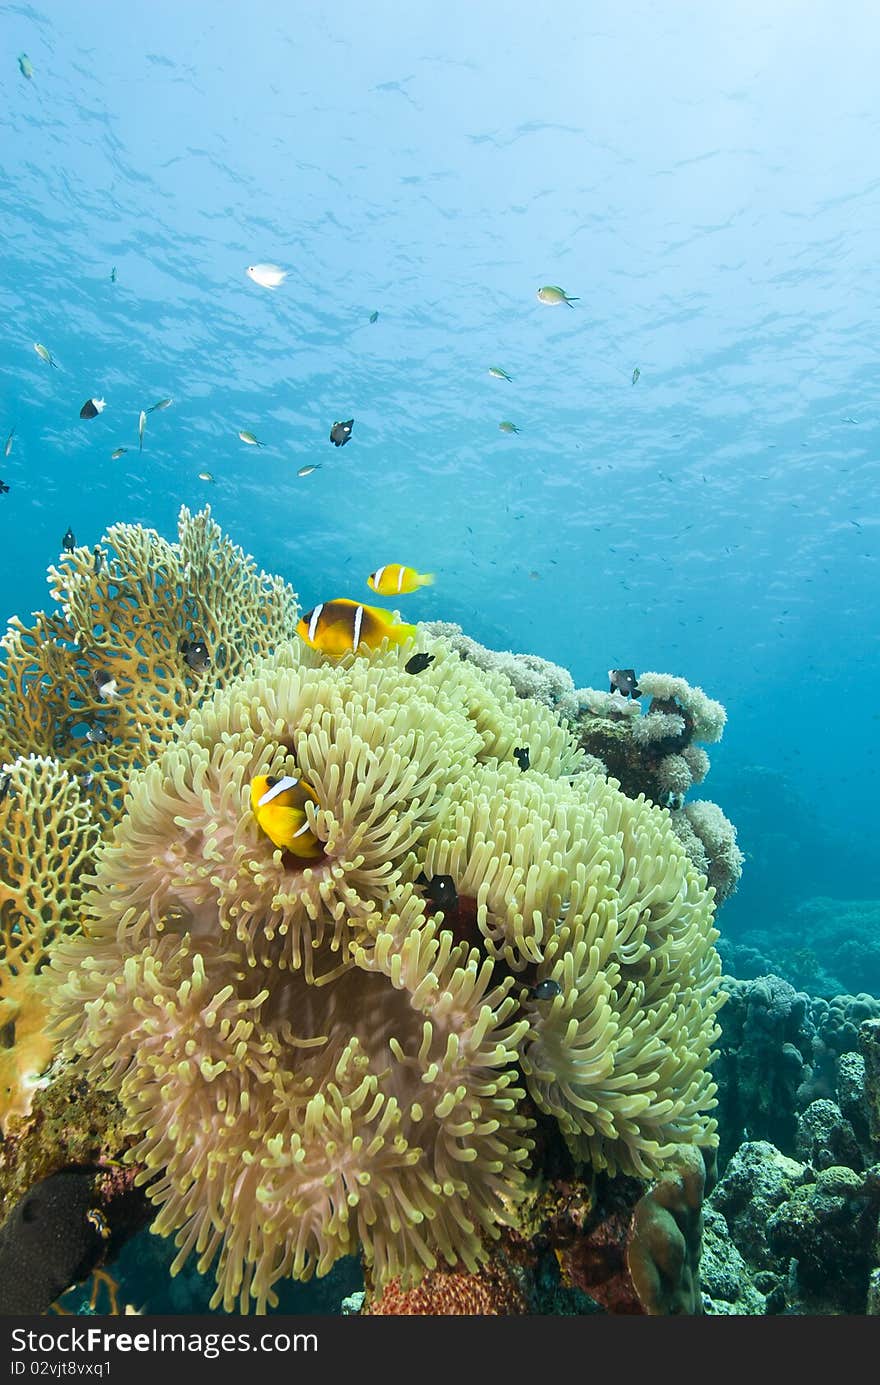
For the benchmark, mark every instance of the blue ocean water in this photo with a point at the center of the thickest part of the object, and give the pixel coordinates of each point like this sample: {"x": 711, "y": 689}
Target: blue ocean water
{"x": 704, "y": 183}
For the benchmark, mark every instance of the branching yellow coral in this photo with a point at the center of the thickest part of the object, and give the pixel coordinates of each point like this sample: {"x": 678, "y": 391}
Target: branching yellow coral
{"x": 47, "y": 838}
{"x": 109, "y": 658}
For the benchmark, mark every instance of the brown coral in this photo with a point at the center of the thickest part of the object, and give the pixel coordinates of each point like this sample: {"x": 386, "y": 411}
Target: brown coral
{"x": 491, "y": 1291}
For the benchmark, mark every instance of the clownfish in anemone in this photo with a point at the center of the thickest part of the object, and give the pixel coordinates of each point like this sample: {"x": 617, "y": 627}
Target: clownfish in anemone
{"x": 396, "y": 580}
{"x": 279, "y": 807}
{"x": 342, "y": 626}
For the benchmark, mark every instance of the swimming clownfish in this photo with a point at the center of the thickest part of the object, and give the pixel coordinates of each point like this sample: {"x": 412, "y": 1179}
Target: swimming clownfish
{"x": 396, "y": 580}
{"x": 278, "y": 806}
{"x": 338, "y": 627}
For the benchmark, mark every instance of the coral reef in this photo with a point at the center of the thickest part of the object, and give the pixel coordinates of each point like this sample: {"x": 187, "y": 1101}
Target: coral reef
{"x": 100, "y": 683}
{"x": 528, "y": 675}
{"x": 492, "y": 1290}
{"x": 654, "y": 754}
{"x": 299, "y": 1057}
{"x": 47, "y": 840}
{"x": 310, "y": 1054}
{"x": 780, "y": 1050}
{"x": 807, "y": 1227}
{"x": 825, "y": 946}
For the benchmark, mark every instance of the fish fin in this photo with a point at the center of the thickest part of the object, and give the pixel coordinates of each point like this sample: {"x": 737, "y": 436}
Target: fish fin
{"x": 427, "y": 579}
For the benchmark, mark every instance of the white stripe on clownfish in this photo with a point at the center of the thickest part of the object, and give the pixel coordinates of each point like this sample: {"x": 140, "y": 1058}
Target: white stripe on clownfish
{"x": 358, "y": 622}
{"x": 377, "y": 577}
{"x": 313, "y": 623}
{"x": 400, "y": 577}
{"x": 281, "y": 786}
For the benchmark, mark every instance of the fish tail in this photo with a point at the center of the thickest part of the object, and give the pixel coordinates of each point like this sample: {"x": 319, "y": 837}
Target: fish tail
{"x": 574, "y": 299}
{"x": 427, "y": 579}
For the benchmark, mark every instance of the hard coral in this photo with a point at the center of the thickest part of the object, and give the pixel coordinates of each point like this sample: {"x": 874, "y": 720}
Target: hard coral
{"x": 109, "y": 656}
{"x": 47, "y": 837}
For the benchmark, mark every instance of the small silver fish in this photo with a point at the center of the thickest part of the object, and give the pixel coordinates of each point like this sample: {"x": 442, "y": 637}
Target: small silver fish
{"x": 98, "y": 734}
{"x": 25, "y": 66}
{"x": 636, "y": 374}
{"x": 498, "y": 374}
{"x": 117, "y": 453}
{"x": 142, "y": 423}
{"x": 307, "y": 470}
{"x": 45, "y": 354}
{"x": 162, "y": 404}
{"x": 8, "y": 448}
{"x": 552, "y": 293}
{"x": 249, "y": 438}
{"x": 508, "y": 427}
{"x": 206, "y": 476}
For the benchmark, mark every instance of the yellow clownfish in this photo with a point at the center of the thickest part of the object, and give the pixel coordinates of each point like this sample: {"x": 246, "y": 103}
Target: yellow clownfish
{"x": 337, "y": 627}
{"x": 396, "y": 580}
{"x": 278, "y": 806}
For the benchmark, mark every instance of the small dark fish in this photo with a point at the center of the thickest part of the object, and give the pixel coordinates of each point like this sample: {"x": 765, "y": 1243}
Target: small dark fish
{"x": 545, "y": 990}
{"x": 113, "y": 275}
{"x": 97, "y": 557}
{"x": 374, "y": 317}
{"x": 521, "y": 755}
{"x": 624, "y": 680}
{"x": 3, "y": 488}
{"x": 196, "y": 654}
{"x": 86, "y": 780}
{"x": 5, "y": 783}
{"x": 68, "y": 543}
{"x": 341, "y": 432}
{"x": 440, "y": 890}
{"x": 674, "y": 801}
{"x": 98, "y": 734}
{"x": 92, "y": 408}
{"x": 418, "y": 663}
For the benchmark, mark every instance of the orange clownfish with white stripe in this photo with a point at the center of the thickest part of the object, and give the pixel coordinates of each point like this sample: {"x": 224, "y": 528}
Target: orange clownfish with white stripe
{"x": 279, "y": 807}
{"x": 338, "y": 627}
{"x": 396, "y": 580}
